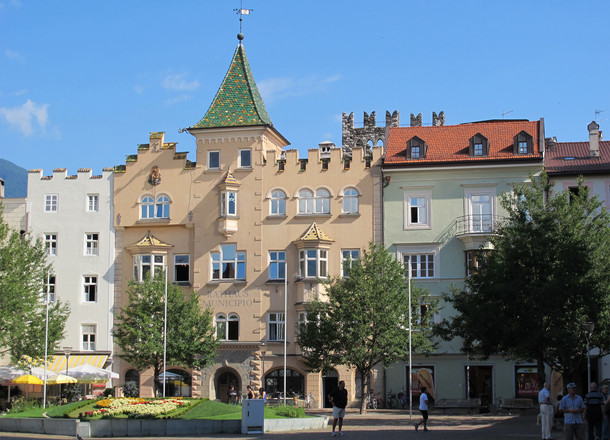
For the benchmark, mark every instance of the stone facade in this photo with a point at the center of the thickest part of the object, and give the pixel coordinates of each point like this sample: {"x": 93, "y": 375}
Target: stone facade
{"x": 369, "y": 135}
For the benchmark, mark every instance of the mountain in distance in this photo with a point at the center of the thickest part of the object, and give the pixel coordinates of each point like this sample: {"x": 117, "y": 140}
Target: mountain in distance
{"x": 15, "y": 179}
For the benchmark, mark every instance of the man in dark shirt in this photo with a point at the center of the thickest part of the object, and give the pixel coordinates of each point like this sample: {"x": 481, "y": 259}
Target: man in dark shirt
{"x": 594, "y": 401}
{"x": 338, "y": 398}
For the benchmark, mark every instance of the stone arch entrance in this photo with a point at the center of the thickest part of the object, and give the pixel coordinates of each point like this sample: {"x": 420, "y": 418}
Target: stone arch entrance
{"x": 224, "y": 380}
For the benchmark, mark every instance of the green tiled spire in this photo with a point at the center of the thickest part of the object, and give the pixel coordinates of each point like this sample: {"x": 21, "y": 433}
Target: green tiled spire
{"x": 238, "y": 102}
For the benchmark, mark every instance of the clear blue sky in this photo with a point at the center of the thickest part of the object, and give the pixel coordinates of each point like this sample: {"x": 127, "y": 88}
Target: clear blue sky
{"x": 82, "y": 83}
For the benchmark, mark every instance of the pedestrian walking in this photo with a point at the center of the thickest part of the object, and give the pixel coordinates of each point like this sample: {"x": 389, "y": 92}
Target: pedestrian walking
{"x": 572, "y": 406}
{"x": 594, "y": 401}
{"x": 338, "y": 398}
{"x": 423, "y": 408}
{"x": 546, "y": 410}
{"x": 250, "y": 392}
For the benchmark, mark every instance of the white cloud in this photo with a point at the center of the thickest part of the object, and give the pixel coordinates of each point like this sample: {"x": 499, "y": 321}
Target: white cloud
{"x": 277, "y": 88}
{"x": 26, "y": 117}
{"x": 178, "y": 99}
{"x": 178, "y": 82}
{"x": 12, "y": 55}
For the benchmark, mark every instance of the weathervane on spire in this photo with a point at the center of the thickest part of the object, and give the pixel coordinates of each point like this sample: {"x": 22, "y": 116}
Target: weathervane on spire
{"x": 241, "y": 12}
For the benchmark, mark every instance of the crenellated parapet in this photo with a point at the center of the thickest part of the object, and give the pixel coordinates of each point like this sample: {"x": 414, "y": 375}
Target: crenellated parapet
{"x": 156, "y": 144}
{"x": 62, "y": 173}
{"x": 369, "y": 135}
{"x": 328, "y": 159}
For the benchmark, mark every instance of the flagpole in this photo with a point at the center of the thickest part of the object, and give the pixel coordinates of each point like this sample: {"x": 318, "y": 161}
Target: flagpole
{"x": 165, "y": 335}
{"x": 410, "y": 348}
{"x": 285, "y": 320}
{"x": 46, "y": 343}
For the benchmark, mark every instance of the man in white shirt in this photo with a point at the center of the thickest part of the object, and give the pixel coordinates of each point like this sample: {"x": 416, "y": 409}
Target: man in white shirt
{"x": 546, "y": 410}
{"x": 423, "y": 408}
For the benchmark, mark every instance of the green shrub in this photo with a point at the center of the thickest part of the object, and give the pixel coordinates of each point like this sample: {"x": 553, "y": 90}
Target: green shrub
{"x": 289, "y": 411}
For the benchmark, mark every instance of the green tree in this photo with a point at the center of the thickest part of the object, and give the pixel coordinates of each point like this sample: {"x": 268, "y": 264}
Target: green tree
{"x": 23, "y": 271}
{"x": 549, "y": 273}
{"x": 139, "y": 327}
{"x": 363, "y": 319}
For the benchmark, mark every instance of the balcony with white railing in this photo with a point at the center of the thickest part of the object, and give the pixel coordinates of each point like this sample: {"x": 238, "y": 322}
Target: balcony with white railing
{"x": 474, "y": 230}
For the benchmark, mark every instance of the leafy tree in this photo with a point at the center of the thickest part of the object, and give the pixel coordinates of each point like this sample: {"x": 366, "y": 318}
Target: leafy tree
{"x": 549, "y": 273}
{"x": 363, "y": 319}
{"x": 23, "y": 271}
{"x": 139, "y": 327}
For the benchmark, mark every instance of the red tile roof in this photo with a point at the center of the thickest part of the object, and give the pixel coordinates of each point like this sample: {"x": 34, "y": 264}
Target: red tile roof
{"x": 580, "y": 160}
{"x": 450, "y": 143}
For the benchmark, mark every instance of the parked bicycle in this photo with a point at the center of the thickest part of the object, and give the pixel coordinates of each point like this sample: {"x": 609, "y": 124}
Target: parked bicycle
{"x": 371, "y": 400}
{"x": 391, "y": 401}
{"x": 309, "y": 401}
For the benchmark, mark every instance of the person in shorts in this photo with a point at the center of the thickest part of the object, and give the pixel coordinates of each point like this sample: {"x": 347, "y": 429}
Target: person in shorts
{"x": 338, "y": 398}
{"x": 423, "y": 408}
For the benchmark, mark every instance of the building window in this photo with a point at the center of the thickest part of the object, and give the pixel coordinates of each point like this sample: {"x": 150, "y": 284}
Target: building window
{"x": 349, "y": 257}
{"x": 229, "y": 264}
{"x": 49, "y": 288}
{"x": 93, "y": 203}
{"x": 350, "y": 201}
{"x": 313, "y": 263}
{"x": 415, "y": 152}
{"x": 146, "y": 265}
{"x": 88, "y": 331}
{"x": 318, "y": 204}
{"x": 475, "y": 259}
{"x": 182, "y": 269}
{"x": 277, "y": 326}
{"x": 50, "y": 244}
{"x": 417, "y": 208}
{"x": 478, "y": 149}
{"x": 90, "y": 283}
{"x": 416, "y": 148}
{"x": 213, "y": 160}
{"x": 51, "y": 202}
{"x": 92, "y": 244}
{"x": 523, "y": 143}
{"x": 306, "y": 201}
{"x": 155, "y": 209}
{"x": 227, "y": 329}
{"x": 322, "y": 201}
{"x": 245, "y": 159}
{"x": 422, "y": 265}
{"x": 278, "y": 203}
{"x": 480, "y": 207}
{"x": 277, "y": 265}
{"x": 228, "y": 203}
{"x": 479, "y": 145}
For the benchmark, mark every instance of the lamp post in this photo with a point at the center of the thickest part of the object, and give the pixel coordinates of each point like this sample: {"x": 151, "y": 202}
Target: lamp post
{"x": 589, "y": 327}
{"x": 263, "y": 353}
{"x": 409, "y": 382}
{"x": 67, "y": 351}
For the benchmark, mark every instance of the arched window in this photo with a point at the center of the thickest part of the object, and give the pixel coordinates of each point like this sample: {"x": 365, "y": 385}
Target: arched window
{"x": 227, "y": 329}
{"x": 278, "y": 203}
{"x": 350, "y": 201}
{"x": 148, "y": 207}
{"x": 132, "y": 383}
{"x": 306, "y": 200}
{"x": 162, "y": 206}
{"x": 322, "y": 201}
{"x": 274, "y": 383}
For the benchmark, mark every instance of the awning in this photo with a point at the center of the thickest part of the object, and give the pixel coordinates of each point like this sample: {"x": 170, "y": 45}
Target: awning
{"x": 57, "y": 363}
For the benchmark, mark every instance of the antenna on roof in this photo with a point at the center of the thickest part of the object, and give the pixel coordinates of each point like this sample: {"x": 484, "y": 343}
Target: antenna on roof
{"x": 504, "y": 113}
{"x": 597, "y": 113}
{"x": 241, "y": 12}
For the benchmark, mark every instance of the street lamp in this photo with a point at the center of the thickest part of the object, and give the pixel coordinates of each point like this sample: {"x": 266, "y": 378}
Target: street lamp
{"x": 263, "y": 353}
{"x": 589, "y": 327}
{"x": 67, "y": 351}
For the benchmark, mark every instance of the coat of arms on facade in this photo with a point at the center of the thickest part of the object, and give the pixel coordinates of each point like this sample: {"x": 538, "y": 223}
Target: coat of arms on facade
{"x": 155, "y": 176}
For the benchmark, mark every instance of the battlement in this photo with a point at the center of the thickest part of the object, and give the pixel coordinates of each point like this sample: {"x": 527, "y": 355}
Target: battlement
{"x": 368, "y": 136}
{"x": 156, "y": 145}
{"x": 62, "y": 173}
{"x": 322, "y": 159}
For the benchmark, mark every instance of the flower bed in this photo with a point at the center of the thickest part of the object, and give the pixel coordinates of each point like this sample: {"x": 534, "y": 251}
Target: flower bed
{"x": 136, "y": 407}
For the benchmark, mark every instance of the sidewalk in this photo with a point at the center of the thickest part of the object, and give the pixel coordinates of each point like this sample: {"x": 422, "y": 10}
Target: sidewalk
{"x": 389, "y": 425}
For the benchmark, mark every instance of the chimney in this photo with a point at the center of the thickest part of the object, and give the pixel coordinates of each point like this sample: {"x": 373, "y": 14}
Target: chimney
{"x": 594, "y": 136}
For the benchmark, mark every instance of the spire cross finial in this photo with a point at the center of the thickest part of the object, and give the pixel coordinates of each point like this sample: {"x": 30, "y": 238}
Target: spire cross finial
{"x": 241, "y": 12}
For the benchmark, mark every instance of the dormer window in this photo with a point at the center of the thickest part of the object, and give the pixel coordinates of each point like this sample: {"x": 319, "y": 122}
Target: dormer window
{"x": 416, "y": 148}
{"x": 228, "y": 203}
{"x": 479, "y": 145}
{"x": 523, "y": 144}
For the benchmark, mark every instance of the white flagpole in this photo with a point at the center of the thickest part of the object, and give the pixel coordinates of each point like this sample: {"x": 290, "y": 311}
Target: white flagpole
{"x": 46, "y": 343}
{"x": 285, "y": 320}
{"x": 165, "y": 336}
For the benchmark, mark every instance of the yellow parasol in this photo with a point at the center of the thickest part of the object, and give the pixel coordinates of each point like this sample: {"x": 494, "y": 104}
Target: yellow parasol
{"x": 60, "y": 378}
{"x": 27, "y": 379}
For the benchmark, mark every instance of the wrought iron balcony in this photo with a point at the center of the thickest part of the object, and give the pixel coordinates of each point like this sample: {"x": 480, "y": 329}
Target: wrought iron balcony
{"x": 481, "y": 224}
